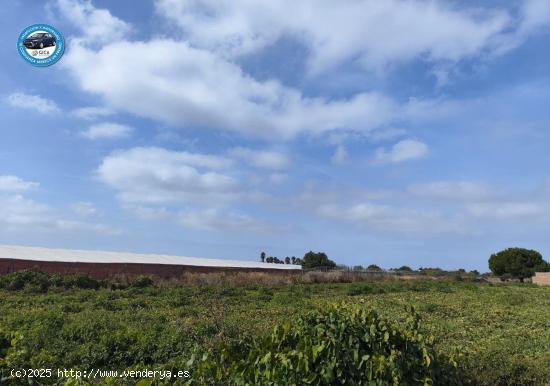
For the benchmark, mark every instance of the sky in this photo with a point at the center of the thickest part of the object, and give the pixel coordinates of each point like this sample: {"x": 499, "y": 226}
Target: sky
{"x": 389, "y": 132}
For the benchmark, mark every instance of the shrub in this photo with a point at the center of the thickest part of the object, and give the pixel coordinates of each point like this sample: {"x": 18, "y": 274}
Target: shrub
{"x": 341, "y": 346}
{"x": 142, "y": 282}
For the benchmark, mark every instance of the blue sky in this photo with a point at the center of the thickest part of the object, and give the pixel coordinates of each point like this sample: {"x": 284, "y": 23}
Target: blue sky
{"x": 396, "y": 132}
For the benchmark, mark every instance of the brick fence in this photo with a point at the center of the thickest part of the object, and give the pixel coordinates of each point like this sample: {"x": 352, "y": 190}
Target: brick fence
{"x": 542, "y": 278}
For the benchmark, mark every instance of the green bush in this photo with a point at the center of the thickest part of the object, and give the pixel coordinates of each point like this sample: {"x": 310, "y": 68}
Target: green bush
{"x": 142, "y": 282}
{"x": 341, "y": 346}
{"x": 34, "y": 280}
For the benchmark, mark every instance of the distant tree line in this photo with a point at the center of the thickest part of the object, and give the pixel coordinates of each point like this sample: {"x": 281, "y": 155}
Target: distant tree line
{"x": 275, "y": 260}
{"x": 310, "y": 260}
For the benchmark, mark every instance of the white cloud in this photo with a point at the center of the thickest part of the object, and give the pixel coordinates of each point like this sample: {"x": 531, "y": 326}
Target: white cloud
{"x": 390, "y": 219}
{"x": 213, "y": 219}
{"x": 34, "y": 103}
{"x": 340, "y": 156}
{"x": 184, "y": 86}
{"x": 405, "y": 150}
{"x": 535, "y": 15}
{"x": 84, "y": 209}
{"x": 15, "y": 210}
{"x": 261, "y": 158}
{"x": 15, "y": 184}
{"x": 453, "y": 190}
{"x": 20, "y": 214}
{"x": 107, "y": 130}
{"x": 507, "y": 210}
{"x": 210, "y": 219}
{"x": 92, "y": 112}
{"x": 155, "y": 175}
{"x": 97, "y": 25}
{"x": 335, "y": 32}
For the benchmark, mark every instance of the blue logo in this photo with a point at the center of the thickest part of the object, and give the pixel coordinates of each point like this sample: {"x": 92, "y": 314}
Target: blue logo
{"x": 41, "y": 45}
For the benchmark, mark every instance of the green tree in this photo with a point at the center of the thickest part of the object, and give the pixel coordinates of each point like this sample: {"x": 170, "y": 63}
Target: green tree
{"x": 287, "y": 260}
{"x": 519, "y": 263}
{"x": 317, "y": 259}
{"x": 373, "y": 267}
{"x": 405, "y": 268}
{"x": 262, "y": 256}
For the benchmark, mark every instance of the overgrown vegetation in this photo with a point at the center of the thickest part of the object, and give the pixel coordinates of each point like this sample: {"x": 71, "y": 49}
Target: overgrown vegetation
{"x": 501, "y": 331}
{"x": 340, "y": 346}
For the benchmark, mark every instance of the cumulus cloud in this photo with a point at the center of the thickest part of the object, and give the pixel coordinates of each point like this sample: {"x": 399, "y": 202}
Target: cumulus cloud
{"x": 20, "y": 214}
{"x": 184, "y": 86}
{"x": 334, "y": 32}
{"x": 15, "y": 184}
{"x": 265, "y": 159}
{"x": 98, "y": 24}
{"x": 34, "y": 103}
{"x": 408, "y": 149}
{"x": 16, "y": 210}
{"x": 107, "y": 130}
{"x": 155, "y": 175}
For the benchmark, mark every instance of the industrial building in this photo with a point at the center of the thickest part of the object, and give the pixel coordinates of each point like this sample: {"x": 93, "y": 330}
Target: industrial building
{"x": 101, "y": 264}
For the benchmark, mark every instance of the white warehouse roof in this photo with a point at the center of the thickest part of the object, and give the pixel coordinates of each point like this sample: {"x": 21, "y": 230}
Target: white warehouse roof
{"x": 82, "y": 256}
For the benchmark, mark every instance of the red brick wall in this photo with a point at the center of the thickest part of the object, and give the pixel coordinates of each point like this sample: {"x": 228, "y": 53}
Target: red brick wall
{"x": 103, "y": 270}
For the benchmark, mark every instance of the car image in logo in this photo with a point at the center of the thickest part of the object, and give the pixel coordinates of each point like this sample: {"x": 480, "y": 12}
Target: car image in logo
{"x": 39, "y": 40}
{"x": 41, "y": 45}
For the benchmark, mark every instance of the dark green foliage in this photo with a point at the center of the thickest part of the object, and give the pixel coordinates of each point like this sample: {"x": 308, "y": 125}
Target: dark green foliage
{"x": 142, "y": 282}
{"x": 317, "y": 259}
{"x": 340, "y": 346}
{"x": 33, "y": 280}
{"x": 501, "y": 330}
{"x": 405, "y": 268}
{"x": 519, "y": 263}
{"x": 373, "y": 267}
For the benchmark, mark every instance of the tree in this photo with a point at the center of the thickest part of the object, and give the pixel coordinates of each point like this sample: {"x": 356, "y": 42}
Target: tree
{"x": 317, "y": 259}
{"x": 405, "y": 268}
{"x": 262, "y": 256}
{"x": 269, "y": 259}
{"x": 358, "y": 268}
{"x": 373, "y": 267}
{"x": 287, "y": 260}
{"x": 293, "y": 259}
{"x": 519, "y": 263}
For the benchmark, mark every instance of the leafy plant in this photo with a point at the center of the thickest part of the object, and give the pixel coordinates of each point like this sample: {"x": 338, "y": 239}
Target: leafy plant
{"x": 343, "y": 345}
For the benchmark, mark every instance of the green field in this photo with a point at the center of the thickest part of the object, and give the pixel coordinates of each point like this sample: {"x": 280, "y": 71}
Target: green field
{"x": 501, "y": 331}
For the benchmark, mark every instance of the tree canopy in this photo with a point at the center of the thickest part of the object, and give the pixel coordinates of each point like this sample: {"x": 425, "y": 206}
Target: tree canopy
{"x": 317, "y": 259}
{"x": 519, "y": 263}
